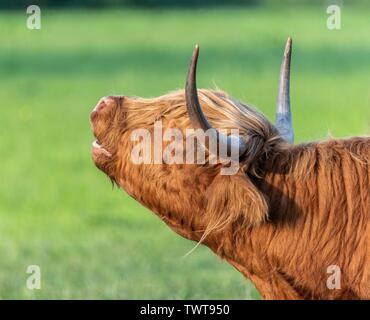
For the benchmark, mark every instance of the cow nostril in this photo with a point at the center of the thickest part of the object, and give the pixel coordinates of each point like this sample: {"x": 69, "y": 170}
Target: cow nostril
{"x": 101, "y": 105}
{"x": 107, "y": 103}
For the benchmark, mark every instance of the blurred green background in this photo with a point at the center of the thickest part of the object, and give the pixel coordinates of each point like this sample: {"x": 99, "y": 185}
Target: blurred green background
{"x": 59, "y": 212}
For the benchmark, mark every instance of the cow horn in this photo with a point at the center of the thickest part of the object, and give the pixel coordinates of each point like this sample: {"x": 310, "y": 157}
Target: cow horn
{"x": 197, "y": 117}
{"x": 283, "y": 114}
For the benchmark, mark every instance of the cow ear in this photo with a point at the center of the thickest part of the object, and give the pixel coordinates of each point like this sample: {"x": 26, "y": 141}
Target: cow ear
{"x": 234, "y": 202}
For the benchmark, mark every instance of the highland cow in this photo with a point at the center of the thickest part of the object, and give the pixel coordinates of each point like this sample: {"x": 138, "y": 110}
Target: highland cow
{"x": 291, "y": 213}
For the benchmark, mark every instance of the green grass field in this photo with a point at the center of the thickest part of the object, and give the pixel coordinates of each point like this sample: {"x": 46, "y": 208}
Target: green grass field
{"x": 59, "y": 212}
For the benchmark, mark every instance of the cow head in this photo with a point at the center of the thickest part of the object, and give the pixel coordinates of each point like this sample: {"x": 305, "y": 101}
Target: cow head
{"x": 194, "y": 199}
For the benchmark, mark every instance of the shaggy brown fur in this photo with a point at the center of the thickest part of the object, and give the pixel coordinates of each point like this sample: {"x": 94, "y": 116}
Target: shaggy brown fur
{"x": 282, "y": 220}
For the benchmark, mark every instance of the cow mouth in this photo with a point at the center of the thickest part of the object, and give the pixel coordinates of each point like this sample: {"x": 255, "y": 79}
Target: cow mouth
{"x": 98, "y": 149}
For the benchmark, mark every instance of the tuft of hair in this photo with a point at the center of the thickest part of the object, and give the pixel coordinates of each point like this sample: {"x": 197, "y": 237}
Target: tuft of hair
{"x": 234, "y": 202}
{"x": 222, "y": 111}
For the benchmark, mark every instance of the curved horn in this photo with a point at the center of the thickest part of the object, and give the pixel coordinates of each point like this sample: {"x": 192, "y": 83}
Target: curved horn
{"x": 197, "y": 118}
{"x": 283, "y": 114}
